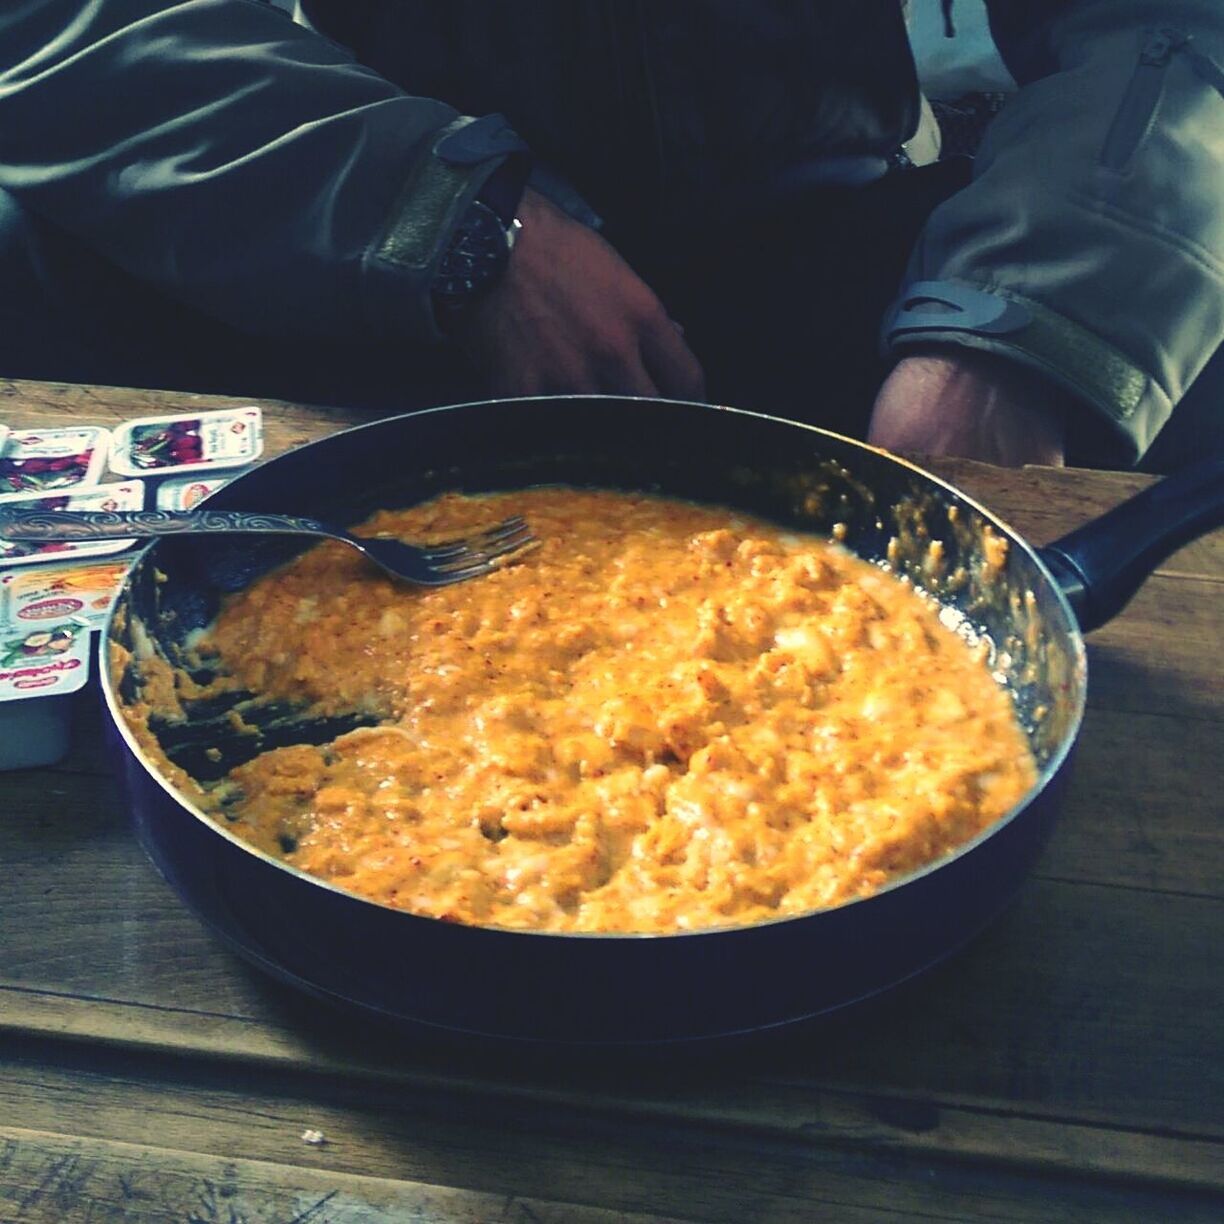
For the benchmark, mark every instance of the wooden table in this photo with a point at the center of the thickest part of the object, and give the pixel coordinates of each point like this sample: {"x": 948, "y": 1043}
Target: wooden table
{"x": 1067, "y": 1066}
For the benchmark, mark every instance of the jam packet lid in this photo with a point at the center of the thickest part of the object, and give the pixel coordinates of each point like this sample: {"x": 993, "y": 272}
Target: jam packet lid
{"x": 45, "y": 595}
{"x": 200, "y": 441}
{"x": 184, "y": 492}
{"x": 36, "y": 461}
{"x": 125, "y": 495}
{"x": 42, "y": 661}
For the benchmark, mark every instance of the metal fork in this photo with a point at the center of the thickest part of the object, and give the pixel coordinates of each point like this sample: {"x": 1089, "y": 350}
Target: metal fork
{"x": 423, "y": 564}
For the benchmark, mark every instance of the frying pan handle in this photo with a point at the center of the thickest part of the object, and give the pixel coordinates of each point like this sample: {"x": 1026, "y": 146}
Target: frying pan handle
{"x": 1101, "y": 565}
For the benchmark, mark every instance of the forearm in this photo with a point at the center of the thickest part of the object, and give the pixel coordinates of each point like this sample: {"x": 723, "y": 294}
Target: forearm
{"x": 1094, "y": 217}
{"x": 953, "y": 401}
{"x": 234, "y": 160}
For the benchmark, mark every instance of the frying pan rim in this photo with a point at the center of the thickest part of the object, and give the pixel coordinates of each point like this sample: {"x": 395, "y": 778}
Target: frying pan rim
{"x": 1048, "y": 772}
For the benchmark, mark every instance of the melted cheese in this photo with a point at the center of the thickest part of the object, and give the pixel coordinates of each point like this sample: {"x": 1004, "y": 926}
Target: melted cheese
{"x": 665, "y": 717}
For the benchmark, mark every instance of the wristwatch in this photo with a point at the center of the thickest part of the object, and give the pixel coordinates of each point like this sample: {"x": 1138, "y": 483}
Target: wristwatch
{"x": 473, "y": 262}
{"x": 480, "y": 244}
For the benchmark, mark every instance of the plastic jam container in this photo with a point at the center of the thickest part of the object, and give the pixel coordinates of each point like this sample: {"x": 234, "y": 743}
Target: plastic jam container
{"x": 187, "y": 444}
{"x": 40, "y": 669}
{"x": 35, "y": 461}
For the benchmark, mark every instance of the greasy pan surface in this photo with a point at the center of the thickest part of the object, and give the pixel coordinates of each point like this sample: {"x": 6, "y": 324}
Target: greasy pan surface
{"x": 599, "y": 988}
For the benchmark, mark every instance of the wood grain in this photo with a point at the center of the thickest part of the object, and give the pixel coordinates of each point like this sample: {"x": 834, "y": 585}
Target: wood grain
{"x": 50, "y": 1178}
{"x": 181, "y": 1133}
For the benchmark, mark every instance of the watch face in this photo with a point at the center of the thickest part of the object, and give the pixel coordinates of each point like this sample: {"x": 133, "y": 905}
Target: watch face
{"x": 476, "y": 256}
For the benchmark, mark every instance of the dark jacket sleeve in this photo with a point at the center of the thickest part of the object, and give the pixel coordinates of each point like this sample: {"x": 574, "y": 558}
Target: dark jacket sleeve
{"x": 236, "y": 161}
{"x": 1090, "y": 243}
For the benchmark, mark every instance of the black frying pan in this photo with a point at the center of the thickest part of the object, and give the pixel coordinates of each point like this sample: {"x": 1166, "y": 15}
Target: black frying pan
{"x": 624, "y": 989}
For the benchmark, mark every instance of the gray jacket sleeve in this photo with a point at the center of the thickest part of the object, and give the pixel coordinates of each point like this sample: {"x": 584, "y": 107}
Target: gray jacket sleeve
{"x": 238, "y": 162}
{"x": 1090, "y": 243}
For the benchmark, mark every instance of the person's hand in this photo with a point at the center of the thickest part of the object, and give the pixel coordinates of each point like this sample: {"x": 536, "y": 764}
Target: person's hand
{"x": 570, "y": 316}
{"x": 971, "y": 404}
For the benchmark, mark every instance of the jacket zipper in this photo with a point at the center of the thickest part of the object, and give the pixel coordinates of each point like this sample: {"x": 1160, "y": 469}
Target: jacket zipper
{"x": 1138, "y": 107}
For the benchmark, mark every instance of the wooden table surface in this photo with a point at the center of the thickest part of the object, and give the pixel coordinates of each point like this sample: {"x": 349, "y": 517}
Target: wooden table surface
{"x": 1066, "y": 1066}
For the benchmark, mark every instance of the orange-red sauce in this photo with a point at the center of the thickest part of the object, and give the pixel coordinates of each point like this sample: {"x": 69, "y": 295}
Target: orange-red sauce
{"x": 665, "y": 717}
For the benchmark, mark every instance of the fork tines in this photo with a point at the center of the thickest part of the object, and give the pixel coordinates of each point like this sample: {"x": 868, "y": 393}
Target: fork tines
{"x": 477, "y": 554}
{"x": 510, "y": 529}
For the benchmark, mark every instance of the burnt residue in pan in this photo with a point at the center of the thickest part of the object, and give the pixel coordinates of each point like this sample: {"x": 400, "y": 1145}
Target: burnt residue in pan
{"x": 202, "y": 726}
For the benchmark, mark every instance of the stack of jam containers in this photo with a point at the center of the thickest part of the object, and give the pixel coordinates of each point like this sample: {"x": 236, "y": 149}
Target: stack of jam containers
{"x": 55, "y": 596}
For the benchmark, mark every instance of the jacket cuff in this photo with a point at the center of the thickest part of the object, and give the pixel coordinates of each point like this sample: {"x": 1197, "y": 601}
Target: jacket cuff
{"x": 1126, "y": 408}
{"x": 399, "y": 268}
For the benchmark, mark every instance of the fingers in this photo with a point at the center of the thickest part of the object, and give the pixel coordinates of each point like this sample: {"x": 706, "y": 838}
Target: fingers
{"x": 626, "y": 378}
{"x": 668, "y": 373}
{"x": 634, "y": 379}
{"x": 671, "y": 363}
{"x": 570, "y": 316}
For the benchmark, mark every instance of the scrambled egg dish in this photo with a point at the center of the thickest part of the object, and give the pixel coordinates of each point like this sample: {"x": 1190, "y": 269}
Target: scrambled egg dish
{"x": 664, "y": 717}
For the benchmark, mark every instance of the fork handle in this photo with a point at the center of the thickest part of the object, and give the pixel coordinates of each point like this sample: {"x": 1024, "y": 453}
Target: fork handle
{"x": 78, "y": 525}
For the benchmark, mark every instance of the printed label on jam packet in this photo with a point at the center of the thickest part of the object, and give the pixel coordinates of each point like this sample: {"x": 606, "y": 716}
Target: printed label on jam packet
{"x": 82, "y": 593}
{"x": 38, "y": 461}
{"x": 43, "y": 662}
{"x": 230, "y": 438}
{"x": 184, "y": 492}
{"x": 128, "y": 495}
